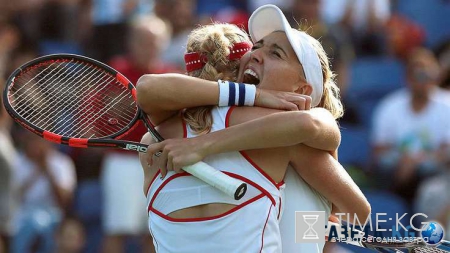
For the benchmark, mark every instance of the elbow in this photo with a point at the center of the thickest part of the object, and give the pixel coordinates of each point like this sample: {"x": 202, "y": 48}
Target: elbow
{"x": 143, "y": 87}
{"x": 359, "y": 211}
{"x": 362, "y": 211}
{"x": 365, "y": 211}
{"x": 308, "y": 125}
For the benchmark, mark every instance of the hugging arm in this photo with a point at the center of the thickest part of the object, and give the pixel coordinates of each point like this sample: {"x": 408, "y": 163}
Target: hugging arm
{"x": 320, "y": 170}
{"x": 272, "y": 128}
{"x": 162, "y": 95}
{"x": 315, "y": 128}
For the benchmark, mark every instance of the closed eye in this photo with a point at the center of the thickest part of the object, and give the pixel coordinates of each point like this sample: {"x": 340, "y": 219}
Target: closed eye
{"x": 276, "y": 54}
{"x": 255, "y": 47}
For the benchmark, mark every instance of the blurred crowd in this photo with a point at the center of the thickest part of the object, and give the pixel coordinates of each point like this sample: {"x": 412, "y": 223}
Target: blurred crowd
{"x": 391, "y": 57}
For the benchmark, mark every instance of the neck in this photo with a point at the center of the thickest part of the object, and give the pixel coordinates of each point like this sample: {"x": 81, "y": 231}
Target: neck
{"x": 419, "y": 102}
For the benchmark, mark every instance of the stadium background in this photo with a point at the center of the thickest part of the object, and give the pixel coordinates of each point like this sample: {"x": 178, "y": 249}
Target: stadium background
{"x": 368, "y": 42}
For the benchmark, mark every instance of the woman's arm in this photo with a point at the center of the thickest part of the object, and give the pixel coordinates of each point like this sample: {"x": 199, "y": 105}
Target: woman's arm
{"x": 316, "y": 128}
{"x": 162, "y": 95}
{"x": 320, "y": 170}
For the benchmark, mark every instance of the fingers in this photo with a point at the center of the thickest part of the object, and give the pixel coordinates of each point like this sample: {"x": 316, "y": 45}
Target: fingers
{"x": 169, "y": 162}
{"x": 176, "y": 166}
{"x": 302, "y": 102}
{"x": 152, "y": 150}
{"x": 308, "y": 102}
{"x": 333, "y": 219}
{"x": 162, "y": 163}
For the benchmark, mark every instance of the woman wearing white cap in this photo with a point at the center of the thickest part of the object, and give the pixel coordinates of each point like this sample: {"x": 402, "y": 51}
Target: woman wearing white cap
{"x": 272, "y": 60}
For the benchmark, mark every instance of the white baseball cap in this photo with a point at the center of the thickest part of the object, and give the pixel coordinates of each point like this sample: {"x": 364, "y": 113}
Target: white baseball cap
{"x": 269, "y": 18}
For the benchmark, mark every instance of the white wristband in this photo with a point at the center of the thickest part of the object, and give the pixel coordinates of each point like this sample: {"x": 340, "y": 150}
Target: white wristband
{"x": 236, "y": 94}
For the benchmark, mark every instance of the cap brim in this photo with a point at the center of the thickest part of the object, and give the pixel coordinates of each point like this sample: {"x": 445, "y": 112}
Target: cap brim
{"x": 266, "y": 20}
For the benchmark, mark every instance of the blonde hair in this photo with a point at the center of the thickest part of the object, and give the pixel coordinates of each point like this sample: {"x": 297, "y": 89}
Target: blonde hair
{"x": 213, "y": 42}
{"x": 331, "y": 98}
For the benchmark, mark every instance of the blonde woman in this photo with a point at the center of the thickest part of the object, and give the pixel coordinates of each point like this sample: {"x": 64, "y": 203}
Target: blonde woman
{"x": 264, "y": 169}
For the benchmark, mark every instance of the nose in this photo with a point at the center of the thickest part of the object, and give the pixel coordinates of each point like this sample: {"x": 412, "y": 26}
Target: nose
{"x": 257, "y": 55}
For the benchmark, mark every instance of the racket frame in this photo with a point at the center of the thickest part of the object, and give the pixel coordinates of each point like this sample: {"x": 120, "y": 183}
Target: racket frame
{"x": 106, "y": 141}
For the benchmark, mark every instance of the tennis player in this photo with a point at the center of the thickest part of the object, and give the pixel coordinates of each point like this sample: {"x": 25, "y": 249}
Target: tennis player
{"x": 269, "y": 160}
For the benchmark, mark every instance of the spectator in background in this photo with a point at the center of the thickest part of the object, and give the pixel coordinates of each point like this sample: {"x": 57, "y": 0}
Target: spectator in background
{"x": 109, "y": 18}
{"x": 403, "y": 35}
{"x": 45, "y": 180}
{"x": 365, "y": 19}
{"x": 148, "y": 37}
{"x": 412, "y": 128}
{"x": 60, "y": 28}
{"x": 180, "y": 14}
{"x": 125, "y": 214}
{"x": 335, "y": 40}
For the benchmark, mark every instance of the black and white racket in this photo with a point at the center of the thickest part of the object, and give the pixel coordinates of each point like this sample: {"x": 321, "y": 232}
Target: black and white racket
{"x": 77, "y": 101}
{"x": 414, "y": 246}
{"x": 398, "y": 247}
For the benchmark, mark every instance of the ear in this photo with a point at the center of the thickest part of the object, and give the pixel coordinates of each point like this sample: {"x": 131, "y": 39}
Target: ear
{"x": 305, "y": 89}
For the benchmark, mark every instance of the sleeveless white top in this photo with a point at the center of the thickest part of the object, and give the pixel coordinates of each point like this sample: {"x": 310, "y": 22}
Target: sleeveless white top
{"x": 299, "y": 196}
{"x": 251, "y": 226}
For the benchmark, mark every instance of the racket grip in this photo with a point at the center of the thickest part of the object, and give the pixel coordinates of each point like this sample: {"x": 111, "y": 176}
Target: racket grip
{"x": 231, "y": 186}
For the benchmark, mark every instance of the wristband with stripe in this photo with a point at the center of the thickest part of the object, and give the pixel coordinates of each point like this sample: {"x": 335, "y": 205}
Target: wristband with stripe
{"x": 239, "y": 94}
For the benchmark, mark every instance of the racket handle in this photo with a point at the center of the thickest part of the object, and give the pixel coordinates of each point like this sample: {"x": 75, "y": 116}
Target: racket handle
{"x": 231, "y": 186}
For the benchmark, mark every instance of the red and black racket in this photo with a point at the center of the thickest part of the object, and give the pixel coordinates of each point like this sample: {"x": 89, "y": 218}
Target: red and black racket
{"x": 77, "y": 101}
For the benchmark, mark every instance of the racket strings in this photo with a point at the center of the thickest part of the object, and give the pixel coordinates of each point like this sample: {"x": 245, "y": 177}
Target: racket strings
{"x": 48, "y": 95}
{"x": 87, "y": 126}
{"x": 51, "y": 95}
{"x": 69, "y": 104}
{"x": 32, "y": 79}
{"x": 427, "y": 250}
{"x": 74, "y": 99}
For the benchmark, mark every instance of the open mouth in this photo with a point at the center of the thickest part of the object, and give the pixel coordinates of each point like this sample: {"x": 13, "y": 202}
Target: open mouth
{"x": 250, "y": 77}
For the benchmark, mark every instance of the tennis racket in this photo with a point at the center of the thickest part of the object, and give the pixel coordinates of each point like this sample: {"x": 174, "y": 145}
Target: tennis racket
{"x": 77, "y": 101}
{"x": 397, "y": 247}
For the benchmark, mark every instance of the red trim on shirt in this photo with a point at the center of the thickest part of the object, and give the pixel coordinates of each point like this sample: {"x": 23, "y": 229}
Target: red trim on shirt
{"x": 279, "y": 210}
{"x": 227, "y": 124}
{"x": 264, "y": 230}
{"x": 234, "y": 209}
{"x": 151, "y": 182}
{"x": 246, "y": 180}
{"x": 227, "y": 118}
{"x": 163, "y": 184}
{"x": 184, "y": 128}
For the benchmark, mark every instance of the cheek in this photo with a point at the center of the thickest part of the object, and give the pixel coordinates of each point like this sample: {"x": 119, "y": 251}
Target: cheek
{"x": 243, "y": 62}
{"x": 288, "y": 77}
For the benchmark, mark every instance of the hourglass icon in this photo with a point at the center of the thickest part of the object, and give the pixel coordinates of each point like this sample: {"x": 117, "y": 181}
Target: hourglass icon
{"x": 310, "y": 233}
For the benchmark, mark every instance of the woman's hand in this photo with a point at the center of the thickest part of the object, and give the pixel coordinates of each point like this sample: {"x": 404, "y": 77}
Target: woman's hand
{"x": 281, "y": 100}
{"x": 174, "y": 154}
